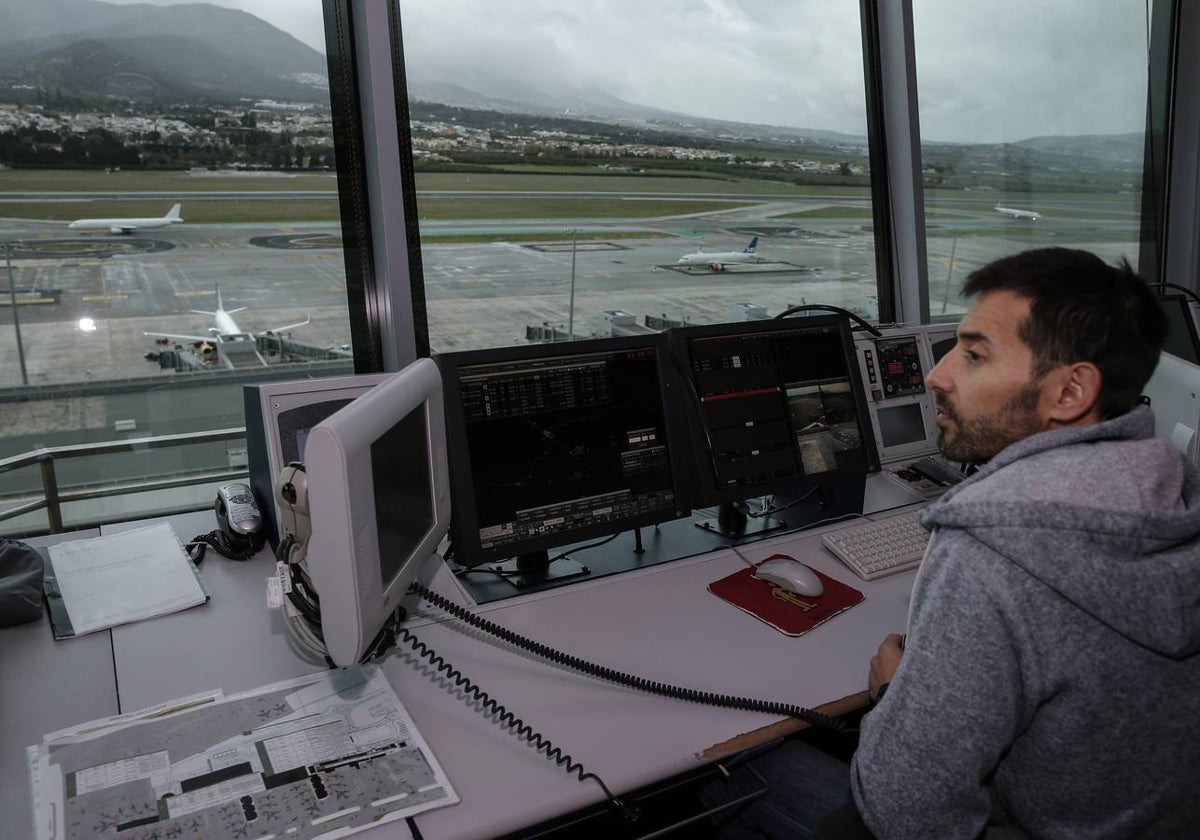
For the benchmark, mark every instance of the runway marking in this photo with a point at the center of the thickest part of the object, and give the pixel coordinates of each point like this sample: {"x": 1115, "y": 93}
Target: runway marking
{"x": 90, "y": 298}
{"x": 465, "y": 280}
{"x": 196, "y": 293}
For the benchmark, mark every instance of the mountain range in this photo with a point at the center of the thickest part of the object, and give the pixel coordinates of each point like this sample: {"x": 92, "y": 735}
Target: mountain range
{"x": 198, "y": 52}
{"x": 195, "y": 51}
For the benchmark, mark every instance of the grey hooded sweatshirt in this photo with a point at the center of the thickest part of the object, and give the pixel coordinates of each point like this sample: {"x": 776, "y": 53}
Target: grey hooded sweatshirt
{"x": 1050, "y": 683}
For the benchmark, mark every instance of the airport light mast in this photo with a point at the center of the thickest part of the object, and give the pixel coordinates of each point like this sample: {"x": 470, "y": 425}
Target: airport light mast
{"x": 571, "y": 302}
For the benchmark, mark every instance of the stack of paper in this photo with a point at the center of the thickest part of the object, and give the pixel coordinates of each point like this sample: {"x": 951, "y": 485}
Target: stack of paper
{"x": 94, "y": 584}
{"x": 320, "y": 756}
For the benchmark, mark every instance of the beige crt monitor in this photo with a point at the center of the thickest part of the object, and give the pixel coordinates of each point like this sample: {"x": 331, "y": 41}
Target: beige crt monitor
{"x": 379, "y": 501}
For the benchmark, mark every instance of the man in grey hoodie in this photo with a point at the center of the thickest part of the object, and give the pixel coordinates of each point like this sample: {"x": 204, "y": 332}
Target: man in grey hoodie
{"x": 1048, "y": 684}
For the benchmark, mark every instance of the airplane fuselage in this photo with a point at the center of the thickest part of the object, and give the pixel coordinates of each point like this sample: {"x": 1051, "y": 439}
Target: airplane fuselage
{"x": 126, "y": 226}
{"x": 1013, "y": 213}
{"x": 719, "y": 258}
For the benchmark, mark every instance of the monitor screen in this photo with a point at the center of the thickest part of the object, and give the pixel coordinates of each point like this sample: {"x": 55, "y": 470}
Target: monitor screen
{"x": 379, "y": 502}
{"x": 901, "y": 425}
{"x": 1182, "y": 339}
{"x": 552, "y": 444}
{"x": 776, "y": 404}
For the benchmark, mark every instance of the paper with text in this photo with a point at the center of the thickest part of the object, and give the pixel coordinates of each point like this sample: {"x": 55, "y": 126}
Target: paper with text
{"x": 119, "y": 578}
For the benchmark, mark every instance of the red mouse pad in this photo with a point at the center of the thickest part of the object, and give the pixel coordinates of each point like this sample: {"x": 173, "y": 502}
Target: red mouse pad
{"x": 788, "y": 613}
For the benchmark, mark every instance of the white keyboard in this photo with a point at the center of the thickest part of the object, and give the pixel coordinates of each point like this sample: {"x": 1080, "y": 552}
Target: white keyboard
{"x": 881, "y": 547}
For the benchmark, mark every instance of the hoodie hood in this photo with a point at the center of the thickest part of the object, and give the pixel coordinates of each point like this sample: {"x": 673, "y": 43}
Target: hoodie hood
{"x": 1106, "y": 515}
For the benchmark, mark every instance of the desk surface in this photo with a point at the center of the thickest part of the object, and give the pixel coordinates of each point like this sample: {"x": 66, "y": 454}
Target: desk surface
{"x": 659, "y": 622}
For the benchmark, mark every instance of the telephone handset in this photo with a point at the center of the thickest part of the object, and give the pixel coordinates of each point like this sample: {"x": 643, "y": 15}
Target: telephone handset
{"x": 239, "y": 521}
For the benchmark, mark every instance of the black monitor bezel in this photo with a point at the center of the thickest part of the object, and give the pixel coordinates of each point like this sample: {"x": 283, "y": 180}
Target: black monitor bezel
{"x": 464, "y": 519}
{"x": 707, "y": 493}
{"x": 1183, "y": 304}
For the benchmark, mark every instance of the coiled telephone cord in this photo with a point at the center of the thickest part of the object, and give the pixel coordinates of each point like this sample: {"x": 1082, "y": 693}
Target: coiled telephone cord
{"x": 629, "y": 680}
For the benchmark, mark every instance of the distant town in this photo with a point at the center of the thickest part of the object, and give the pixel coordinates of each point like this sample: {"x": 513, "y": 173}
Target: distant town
{"x": 278, "y": 135}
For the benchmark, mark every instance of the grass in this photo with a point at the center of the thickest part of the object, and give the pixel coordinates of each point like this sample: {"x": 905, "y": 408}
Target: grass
{"x": 546, "y": 236}
{"x": 839, "y": 212}
{"x": 81, "y": 180}
{"x": 439, "y": 209}
{"x": 285, "y": 210}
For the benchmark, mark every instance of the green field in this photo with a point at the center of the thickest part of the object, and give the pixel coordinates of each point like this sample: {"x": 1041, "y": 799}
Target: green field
{"x": 285, "y": 209}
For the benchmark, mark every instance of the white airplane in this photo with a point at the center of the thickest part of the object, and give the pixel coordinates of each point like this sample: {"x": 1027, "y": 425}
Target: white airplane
{"x": 226, "y": 330}
{"x": 717, "y": 260}
{"x": 1013, "y": 213}
{"x": 129, "y": 225}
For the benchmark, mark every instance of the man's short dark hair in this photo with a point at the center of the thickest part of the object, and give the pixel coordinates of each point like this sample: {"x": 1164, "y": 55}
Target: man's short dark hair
{"x": 1083, "y": 310}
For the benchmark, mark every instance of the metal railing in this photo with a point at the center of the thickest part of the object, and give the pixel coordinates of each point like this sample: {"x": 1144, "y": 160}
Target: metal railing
{"x": 52, "y": 500}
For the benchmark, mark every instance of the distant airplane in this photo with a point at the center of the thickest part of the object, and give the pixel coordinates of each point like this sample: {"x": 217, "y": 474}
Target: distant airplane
{"x": 226, "y": 330}
{"x": 717, "y": 260}
{"x": 1013, "y": 213}
{"x": 120, "y": 226}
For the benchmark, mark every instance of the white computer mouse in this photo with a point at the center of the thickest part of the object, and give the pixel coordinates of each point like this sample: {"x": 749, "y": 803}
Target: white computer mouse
{"x": 791, "y": 575}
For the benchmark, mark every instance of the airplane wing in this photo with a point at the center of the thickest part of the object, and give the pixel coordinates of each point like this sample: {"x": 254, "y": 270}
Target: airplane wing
{"x": 176, "y": 337}
{"x": 277, "y": 330}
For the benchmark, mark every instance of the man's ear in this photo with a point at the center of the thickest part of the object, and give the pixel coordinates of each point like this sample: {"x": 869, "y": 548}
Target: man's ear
{"x": 1074, "y": 393}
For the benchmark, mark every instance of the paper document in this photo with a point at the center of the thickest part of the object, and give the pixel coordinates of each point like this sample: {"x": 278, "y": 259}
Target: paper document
{"x": 322, "y": 756}
{"x": 96, "y": 583}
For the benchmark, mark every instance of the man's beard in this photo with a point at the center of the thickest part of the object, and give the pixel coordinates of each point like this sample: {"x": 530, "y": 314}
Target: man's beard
{"x": 981, "y": 439}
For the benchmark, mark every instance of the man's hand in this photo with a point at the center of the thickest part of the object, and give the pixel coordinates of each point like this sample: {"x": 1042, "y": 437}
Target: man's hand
{"x": 884, "y": 663}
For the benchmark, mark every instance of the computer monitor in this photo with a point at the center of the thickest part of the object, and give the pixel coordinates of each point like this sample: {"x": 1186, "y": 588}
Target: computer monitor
{"x": 1182, "y": 339}
{"x": 553, "y": 444}
{"x": 379, "y": 501}
{"x": 941, "y": 339}
{"x": 774, "y": 406}
{"x": 279, "y": 416}
{"x": 1174, "y": 392}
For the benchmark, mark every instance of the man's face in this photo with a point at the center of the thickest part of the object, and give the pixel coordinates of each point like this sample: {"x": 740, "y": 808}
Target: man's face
{"x": 984, "y": 388}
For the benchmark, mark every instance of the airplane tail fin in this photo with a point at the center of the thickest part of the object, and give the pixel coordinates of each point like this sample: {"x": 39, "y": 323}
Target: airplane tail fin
{"x": 173, "y": 213}
{"x": 752, "y": 247}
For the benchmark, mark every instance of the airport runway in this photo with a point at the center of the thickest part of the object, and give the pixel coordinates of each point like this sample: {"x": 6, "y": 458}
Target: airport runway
{"x": 478, "y": 293}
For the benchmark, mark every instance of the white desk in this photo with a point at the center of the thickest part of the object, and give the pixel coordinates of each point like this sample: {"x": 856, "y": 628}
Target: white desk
{"x": 45, "y": 686}
{"x": 659, "y": 622}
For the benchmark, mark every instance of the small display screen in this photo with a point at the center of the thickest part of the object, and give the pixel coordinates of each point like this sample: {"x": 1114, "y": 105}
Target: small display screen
{"x": 901, "y": 424}
{"x": 403, "y": 491}
{"x": 1182, "y": 339}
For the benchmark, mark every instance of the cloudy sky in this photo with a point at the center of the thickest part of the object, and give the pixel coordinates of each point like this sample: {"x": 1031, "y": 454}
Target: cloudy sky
{"x": 988, "y": 70}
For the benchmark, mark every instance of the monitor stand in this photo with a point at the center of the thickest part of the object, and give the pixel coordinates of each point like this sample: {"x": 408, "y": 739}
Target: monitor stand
{"x": 535, "y": 568}
{"x": 738, "y": 520}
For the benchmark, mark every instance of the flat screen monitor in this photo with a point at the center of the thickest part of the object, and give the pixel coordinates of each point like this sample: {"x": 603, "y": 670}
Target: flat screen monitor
{"x": 1182, "y": 338}
{"x": 379, "y": 501}
{"x": 553, "y": 444}
{"x": 942, "y": 339}
{"x": 774, "y": 405}
{"x": 1174, "y": 392}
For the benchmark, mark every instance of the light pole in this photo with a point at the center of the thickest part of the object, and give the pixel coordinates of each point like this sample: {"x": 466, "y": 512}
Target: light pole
{"x": 571, "y": 303}
{"x": 12, "y": 294}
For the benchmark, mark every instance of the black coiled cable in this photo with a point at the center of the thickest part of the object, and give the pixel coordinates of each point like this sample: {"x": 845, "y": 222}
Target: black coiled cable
{"x": 234, "y": 549}
{"x": 508, "y": 719}
{"x": 603, "y": 672}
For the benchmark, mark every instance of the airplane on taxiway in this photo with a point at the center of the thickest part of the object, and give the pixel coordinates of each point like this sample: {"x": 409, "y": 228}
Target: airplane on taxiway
{"x": 226, "y": 329}
{"x": 120, "y": 226}
{"x": 717, "y": 260}
{"x": 1013, "y": 213}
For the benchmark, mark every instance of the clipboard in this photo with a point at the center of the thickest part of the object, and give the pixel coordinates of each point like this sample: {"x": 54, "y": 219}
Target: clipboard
{"x": 168, "y": 580}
